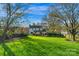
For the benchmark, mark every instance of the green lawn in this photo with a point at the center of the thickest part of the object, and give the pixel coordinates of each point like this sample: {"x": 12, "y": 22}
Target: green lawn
{"x": 40, "y": 46}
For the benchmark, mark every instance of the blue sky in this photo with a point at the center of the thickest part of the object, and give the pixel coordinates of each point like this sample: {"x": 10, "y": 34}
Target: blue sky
{"x": 38, "y": 11}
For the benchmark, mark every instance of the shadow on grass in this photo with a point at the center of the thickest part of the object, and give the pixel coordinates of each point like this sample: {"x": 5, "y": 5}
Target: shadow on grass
{"x": 7, "y": 50}
{"x": 45, "y": 48}
{"x": 32, "y": 48}
{"x": 40, "y": 47}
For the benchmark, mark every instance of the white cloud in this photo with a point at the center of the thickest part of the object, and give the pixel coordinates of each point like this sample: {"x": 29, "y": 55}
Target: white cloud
{"x": 37, "y": 13}
{"x": 38, "y": 8}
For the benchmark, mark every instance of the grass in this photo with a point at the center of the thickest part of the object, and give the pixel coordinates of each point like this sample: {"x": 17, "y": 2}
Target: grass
{"x": 40, "y": 46}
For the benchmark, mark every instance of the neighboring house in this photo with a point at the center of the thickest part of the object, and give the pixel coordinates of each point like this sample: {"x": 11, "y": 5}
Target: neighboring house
{"x": 19, "y": 29}
{"x": 64, "y": 32}
{"x": 22, "y": 30}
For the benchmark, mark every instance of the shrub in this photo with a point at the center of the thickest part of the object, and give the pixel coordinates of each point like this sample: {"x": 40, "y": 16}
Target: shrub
{"x": 55, "y": 34}
{"x": 19, "y": 35}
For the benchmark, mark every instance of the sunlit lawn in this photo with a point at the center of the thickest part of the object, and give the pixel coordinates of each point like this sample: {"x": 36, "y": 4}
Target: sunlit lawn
{"x": 40, "y": 46}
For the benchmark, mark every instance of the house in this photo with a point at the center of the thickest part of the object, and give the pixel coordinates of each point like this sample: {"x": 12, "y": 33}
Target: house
{"x": 38, "y": 28}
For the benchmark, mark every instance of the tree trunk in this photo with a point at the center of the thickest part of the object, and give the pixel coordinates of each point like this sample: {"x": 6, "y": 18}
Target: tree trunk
{"x": 73, "y": 37}
{"x": 4, "y": 38}
{"x": 4, "y": 34}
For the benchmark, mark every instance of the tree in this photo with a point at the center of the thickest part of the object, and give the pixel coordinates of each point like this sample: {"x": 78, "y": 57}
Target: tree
{"x": 13, "y": 13}
{"x": 68, "y": 14}
{"x": 54, "y": 24}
